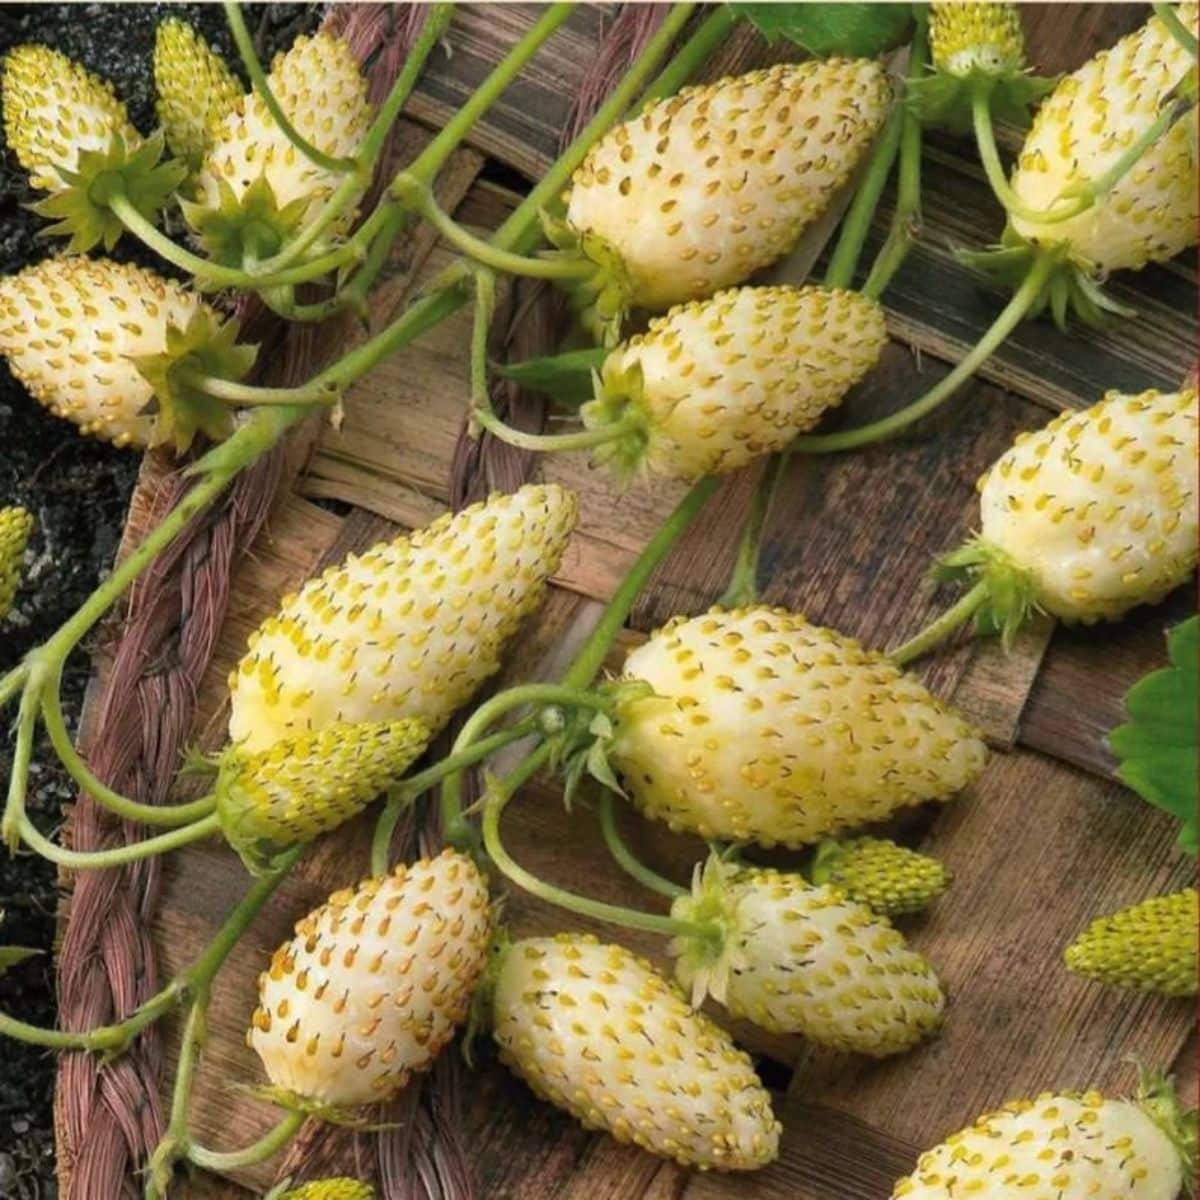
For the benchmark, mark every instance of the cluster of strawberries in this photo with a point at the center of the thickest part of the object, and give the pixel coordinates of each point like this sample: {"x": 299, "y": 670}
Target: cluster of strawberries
{"x": 750, "y": 724}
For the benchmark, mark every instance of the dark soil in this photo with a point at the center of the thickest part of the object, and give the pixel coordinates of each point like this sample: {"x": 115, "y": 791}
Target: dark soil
{"x": 77, "y": 490}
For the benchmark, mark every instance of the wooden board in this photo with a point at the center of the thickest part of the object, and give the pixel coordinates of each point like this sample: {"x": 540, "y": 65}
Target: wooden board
{"x": 850, "y": 544}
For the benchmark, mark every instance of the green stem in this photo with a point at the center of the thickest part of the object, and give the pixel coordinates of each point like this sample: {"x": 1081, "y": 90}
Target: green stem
{"x": 743, "y": 582}
{"x": 418, "y": 197}
{"x": 455, "y": 829}
{"x": 232, "y": 392}
{"x": 353, "y": 296}
{"x": 1177, "y": 29}
{"x": 18, "y": 781}
{"x": 583, "y": 906}
{"x": 591, "y": 655}
{"x": 857, "y": 224}
{"x": 1089, "y": 193}
{"x": 266, "y": 1147}
{"x": 129, "y": 810}
{"x": 583, "y": 439}
{"x": 407, "y": 790}
{"x": 431, "y": 160}
{"x": 625, "y": 858}
{"x": 940, "y": 629}
{"x": 712, "y": 33}
{"x": 258, "y": 77}
{"x": 1014, "y": 312}
{"x": 108, "y": 1039}
{"x": 149, "y": 235}
{"x": 908, "y": 187}
{"x": 173, "y": 1144}
{"x": 118, "y": 856}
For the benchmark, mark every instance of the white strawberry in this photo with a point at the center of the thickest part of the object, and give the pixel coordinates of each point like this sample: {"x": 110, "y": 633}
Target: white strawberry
{"x": 408, "y": 629}
{"x": 373, "y": 985}
{"x": 94, "y": 340}
{"x": 1080, "y": 131}
{"x": 1065, "y": 1146}
{"x": 55, "y": 111}
{"x": 702, "y": 189}
{"x": 253, "y": 180}
{"x": 763, "y": 727}
{"x": 1090, "y": 516}
{"x": 719, "y": 381}
{"x": 599, "y": 1032}
{"x": 796, "y": 958}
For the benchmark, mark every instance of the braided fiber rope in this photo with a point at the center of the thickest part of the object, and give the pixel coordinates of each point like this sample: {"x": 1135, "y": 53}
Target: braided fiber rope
{"x": 108, "y": 1118}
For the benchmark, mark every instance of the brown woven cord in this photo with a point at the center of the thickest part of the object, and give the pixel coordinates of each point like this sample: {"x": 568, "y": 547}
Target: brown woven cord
{"x": 109, "y": 1118}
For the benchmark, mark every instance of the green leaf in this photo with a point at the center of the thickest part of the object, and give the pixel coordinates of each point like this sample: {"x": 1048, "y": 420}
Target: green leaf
{"x": 1157, "y": 746}
{"x": 857, "y": 30}
{"x": 10, "y": 956}
{"x": 567, "y": 378}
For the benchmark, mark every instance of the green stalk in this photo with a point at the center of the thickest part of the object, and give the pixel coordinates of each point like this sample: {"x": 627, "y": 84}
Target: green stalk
{"x": 232, "y": 392}
{"x": 407, "y": 790}
{"x": 545, "y": 443}
{"x": 857, "y": 224}
{"x": 129, "y": 810}
{"x": 436, "y": 24}
{"x": 258, "y": 77}
{"x": 597, "y": 910}
{"x": 266, "y": 1147}
{"x": 714, "y": 31}
{"x": 161, "y": 1168}
{"x": 908, "y": 187}
{"x": 18, "y": 781}
{"x": 743, "y": 581}
{"x": 118, "y": 856}
{"x": 431, "y": 160}
{"x": 455, "y": 829}
{"x": 1177, "y": 29}
{"x": 150, "y": 235}
{"x": 626, "y": 859}
{"x": 938, "y": 630}
{"x": 1014, "y": 312}
{"x": 418, "y": 198}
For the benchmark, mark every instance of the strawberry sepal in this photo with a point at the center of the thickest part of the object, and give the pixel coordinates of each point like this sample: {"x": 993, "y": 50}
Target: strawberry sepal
{"x": 944, "y": 100}
{"x": 600, "y": 299}
{"x": 708, "y": 960}
{"x": 331, "y": 1114}
{"x": 81, "y": 210}
{"x": 1159, "y": 1100}
{"x": 1071, "y": 289}
{"x": 207, "y": 347}
{"x": 618, "y": 398}
{"x": 241, "y": 228}
{"x": 1011, "y": 597}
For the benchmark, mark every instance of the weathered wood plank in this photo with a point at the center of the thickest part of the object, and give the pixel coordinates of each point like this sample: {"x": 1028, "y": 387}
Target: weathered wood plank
{"x": 1017, "y": 1021}
{"x": 1079, "y": 696}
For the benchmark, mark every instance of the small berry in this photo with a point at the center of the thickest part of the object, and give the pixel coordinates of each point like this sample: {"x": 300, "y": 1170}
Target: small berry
{"x": 196, "y": 90}
{"x": 890, "y": 879}
{"x": 15, "y": 527}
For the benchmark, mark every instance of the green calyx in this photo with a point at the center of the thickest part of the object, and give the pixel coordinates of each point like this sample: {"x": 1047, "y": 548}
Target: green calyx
{"x": 707, "y": 959}
{"x": 944, "y": 100}
{"x": 206, "y": 349}
{"x": 890, "y": 879}
{"x": 1010, "y": 592}
{"x": 239, "y": 231}
{"x": 600, "y": 298}
{"x": 81, "y": 210}
{"x": 1070, "y": 289}
{"x": 583, "y": 745}
{"x": 331, "y": 1114}
{"x": 1158, "y": 1099}
{"x": 618, "y": 401}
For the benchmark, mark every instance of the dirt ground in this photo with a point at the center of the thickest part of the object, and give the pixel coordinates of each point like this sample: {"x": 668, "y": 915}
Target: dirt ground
{"x": 77, "y": 490}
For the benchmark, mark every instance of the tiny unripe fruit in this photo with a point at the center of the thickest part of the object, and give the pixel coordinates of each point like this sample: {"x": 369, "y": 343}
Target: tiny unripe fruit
{"x": 889, "y": 879}
{"x": 196, "y": 90}
{"x": 1150, "y": 947}
{"x": 15, "y": 527}
{"x": 966, "y": 36}
{"x": 374, "y": 983}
